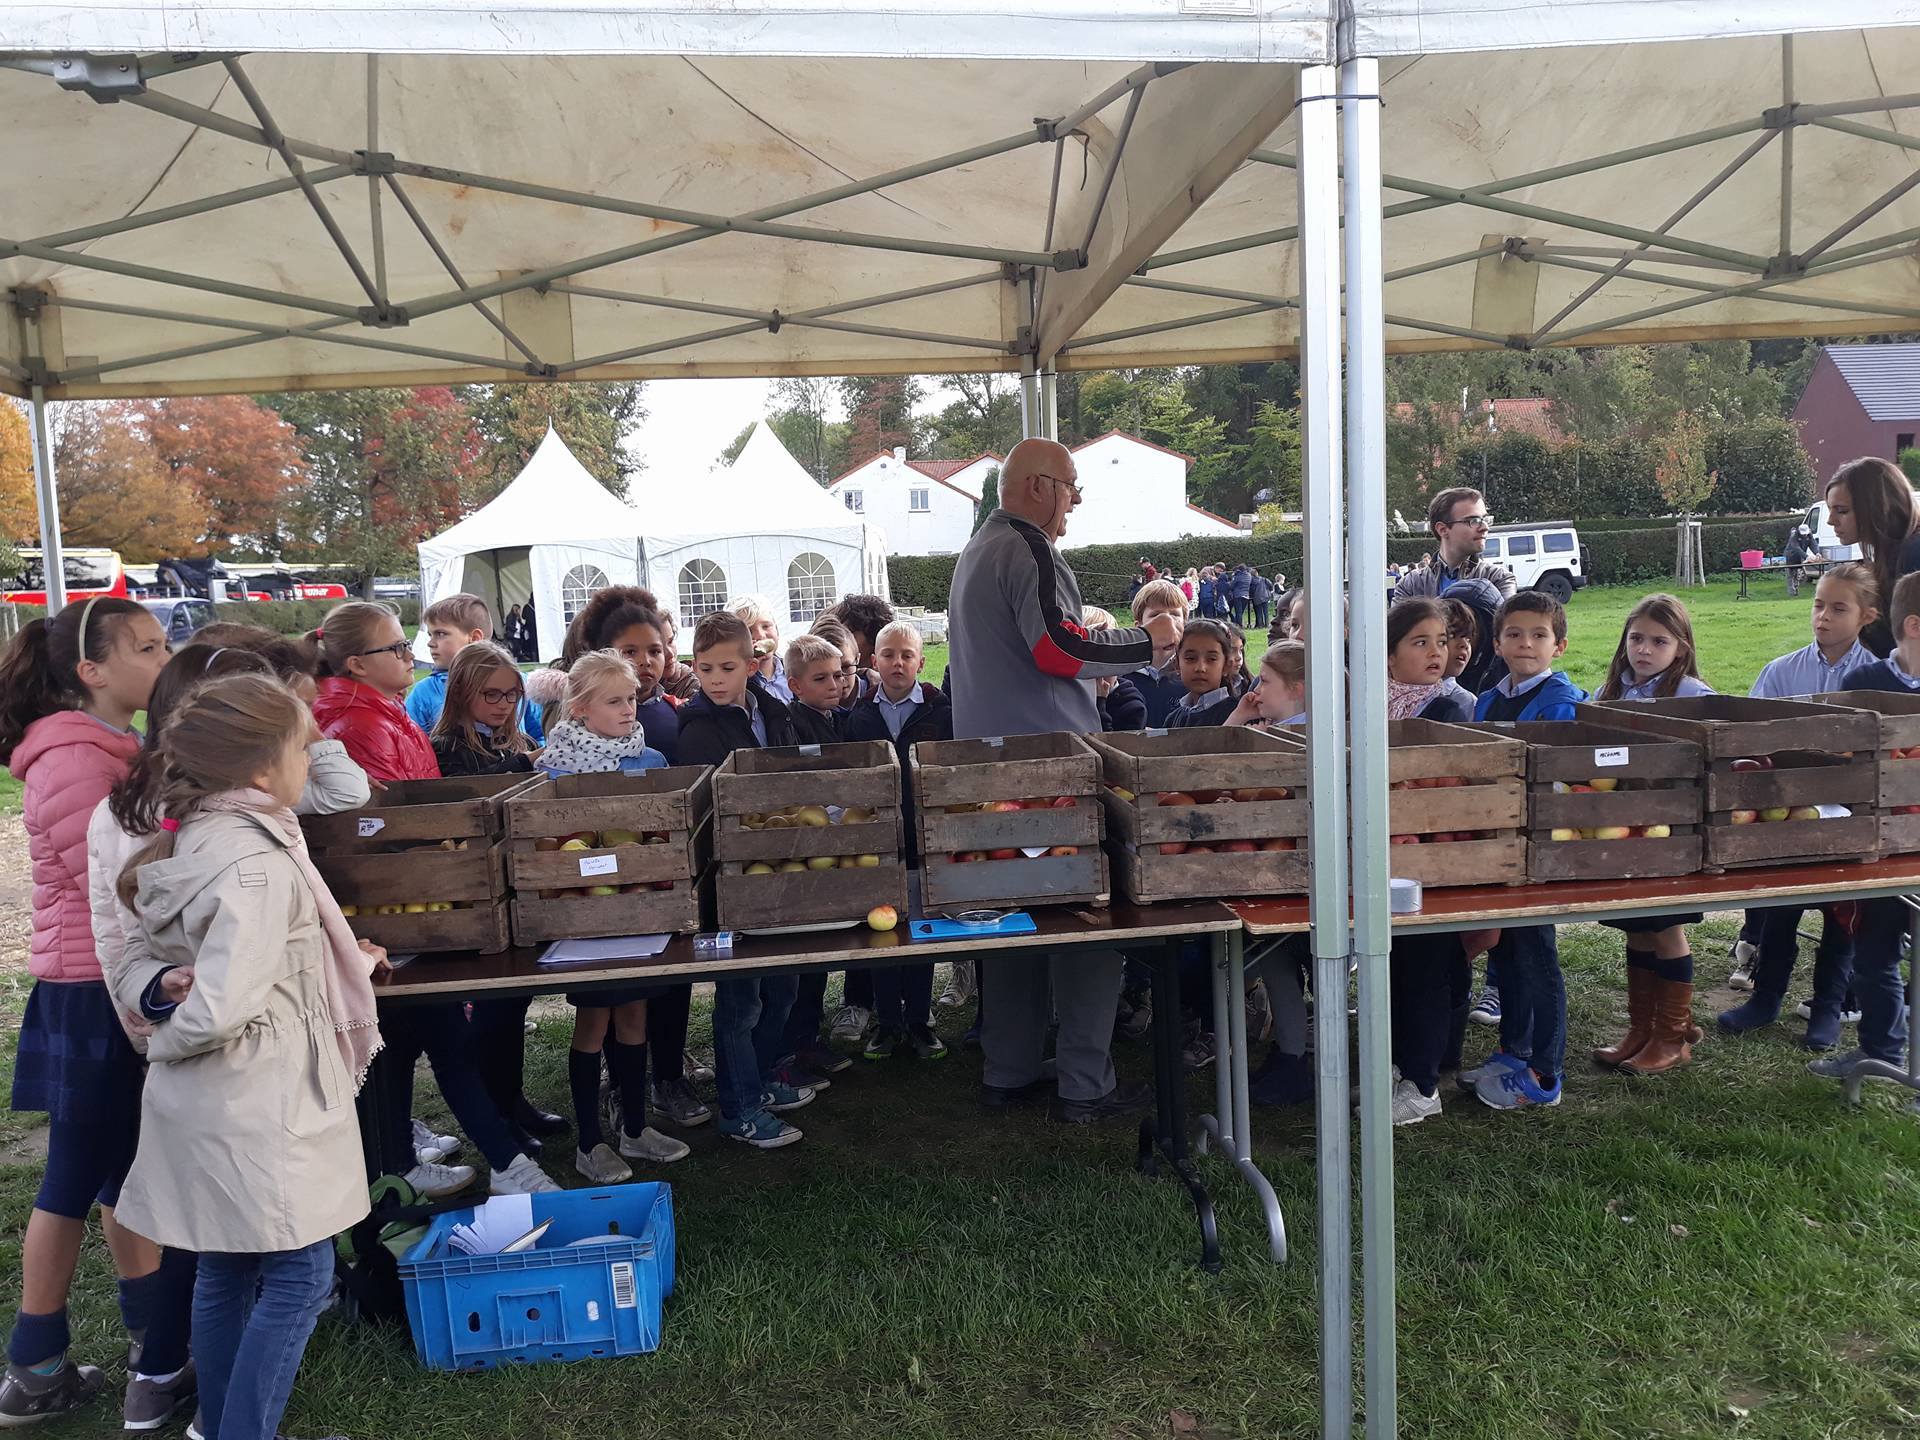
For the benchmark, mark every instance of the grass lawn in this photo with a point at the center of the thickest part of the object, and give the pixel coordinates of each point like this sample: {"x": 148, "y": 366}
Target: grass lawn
{"x": 1728, "y": 1250}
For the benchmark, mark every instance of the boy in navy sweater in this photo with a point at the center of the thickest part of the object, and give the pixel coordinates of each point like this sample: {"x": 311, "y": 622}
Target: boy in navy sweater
{"x": 1900, "y": 671}
{"x": 736, "y": 711}
{"x": 1159, "y": 683}
{"x": 904, "y": 710}
{"x": 1530, "y": 633}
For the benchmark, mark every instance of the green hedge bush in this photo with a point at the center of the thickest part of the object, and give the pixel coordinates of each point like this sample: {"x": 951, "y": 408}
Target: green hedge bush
{"x": 296, "y": 617}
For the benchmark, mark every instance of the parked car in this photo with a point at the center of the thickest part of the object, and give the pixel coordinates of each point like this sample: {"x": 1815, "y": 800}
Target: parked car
{"x": 1542, "y": 557}
{"x": 391, "y": 587}
{"x": 1825, "y": 542}
{"x": 182, "y": 619}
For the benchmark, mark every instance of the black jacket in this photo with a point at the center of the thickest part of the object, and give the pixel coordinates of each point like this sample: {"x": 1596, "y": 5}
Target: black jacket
{"x": 456, "y": 757}
{"x": 932, "y": 721}
{"x": 708, "y": 734}
{"x": 1183, "y": 717}
{"x": 1123, "y": 708}
{"x": 810, "y": 727}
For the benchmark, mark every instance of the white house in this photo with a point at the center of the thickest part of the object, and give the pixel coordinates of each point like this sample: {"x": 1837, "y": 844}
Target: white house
{"x": 1133, "y": 490}
{"x": 926, "y": 507}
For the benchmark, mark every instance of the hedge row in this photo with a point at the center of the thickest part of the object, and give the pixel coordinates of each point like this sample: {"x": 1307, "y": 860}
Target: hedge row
{"x": 296, "y": 617}
{"x": 1620, "y": 557}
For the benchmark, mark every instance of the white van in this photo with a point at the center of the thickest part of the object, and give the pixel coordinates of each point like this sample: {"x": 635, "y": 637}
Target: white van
{"x": 1542, "y": 557}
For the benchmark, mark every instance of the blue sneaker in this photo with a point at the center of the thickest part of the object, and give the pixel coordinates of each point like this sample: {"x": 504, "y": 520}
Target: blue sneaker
{"x": 779, "y": 1097}
{"x": 1496, "y": 1064}
{"x": 758, "y": 1129}
{"x": 1486, "y": 1010}
{"x": 1513, "y": 1088}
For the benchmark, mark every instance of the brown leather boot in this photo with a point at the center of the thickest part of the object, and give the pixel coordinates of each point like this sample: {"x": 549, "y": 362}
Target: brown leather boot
{"x": 1640, "y": 988}
{"x": 1669, "y": 1046}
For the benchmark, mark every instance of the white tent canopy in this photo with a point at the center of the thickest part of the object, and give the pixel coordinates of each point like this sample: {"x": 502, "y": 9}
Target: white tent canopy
{"x": 761, "y": 525}
{"x": 553, "y": 536}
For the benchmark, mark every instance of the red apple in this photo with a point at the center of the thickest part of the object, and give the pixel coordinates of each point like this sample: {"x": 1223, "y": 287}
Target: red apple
{"x": 1199, "y": 849}
{"x": 1064, "y": 850}
{"x": 1065, "y": 802}
{"x": 1174, "y": 847}
{"x": 1240, "y": 847}
{"x": 1206, "y": 797}
{"x": 1448, "y": 782}
{"x": 1405, "y": 840}
{"x": 1176, "y": 797}
{"x": 1283, "y": 842}
{"x": 1003, "y": 854}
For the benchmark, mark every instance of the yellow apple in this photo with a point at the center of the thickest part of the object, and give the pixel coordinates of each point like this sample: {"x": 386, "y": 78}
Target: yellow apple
{"x": 575, "y": 844}
{"x": 1613, "y": 832}
{"x": 435, "y": 906}
{"x": 792, "y": 867}
{"x": 812, "y": 815}
{"x": 1121, "y": 791}
{"x": 602, "y": 890}
{"x": 855, "y": 815}
{"x": 1560, "y": 787}
{"x": 1656, "y": 832}
{"x": 1610, "y": 783}
{"x": 416, "y": 908}
{"x": 866, "y": 862}
{"x": 611, "y": 838}
{"x": 1565, "y": 834}
{"x": 822, "y": 862}
{"x": 755, "y": 821}
{"x": 390, "y": 910}
{"x": 779, "y": 822}
{"x": 882, "y": 917}
{"x": 349, "y": 911}
{"x": 1775, "y": 812}
{"x": 1805, "y": 812}
{"x": 759, "y": 867}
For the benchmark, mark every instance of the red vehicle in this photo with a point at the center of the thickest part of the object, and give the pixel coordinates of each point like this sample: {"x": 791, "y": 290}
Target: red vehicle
{"x": 88, "y": 572}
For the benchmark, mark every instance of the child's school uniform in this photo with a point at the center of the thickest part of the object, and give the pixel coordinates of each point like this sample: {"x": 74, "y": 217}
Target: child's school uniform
{"x": 777, "y": 682}
{"x": 1806, "y": 672}
{"x": 1212, "y": 708}
{"x": 1549, "y": 695}
{"x": 660, "y": 718}
{"x": 903, "y": 994}
{"x": 1123, "y": 707}
{"x": 458, "y": 757}
{"x": 710, "y": 733}
{"x": 1160, "y": 689}
{"x": 1886, "y": 675}
{"x": 1687, "y": 689}
{"x": 428, "y": 698}
{"x": 1449, "y": 706}
{"x": 817, "y": 727}
{"x": 379, "y": 734}
{"x": 573, "y": 749}
{"x": 810, "y": 727}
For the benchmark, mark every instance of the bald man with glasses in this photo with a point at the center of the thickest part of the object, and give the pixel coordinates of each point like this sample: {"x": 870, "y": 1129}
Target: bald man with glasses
{"x": 1459, "y": 521}
{"x": 1022, "y": 664}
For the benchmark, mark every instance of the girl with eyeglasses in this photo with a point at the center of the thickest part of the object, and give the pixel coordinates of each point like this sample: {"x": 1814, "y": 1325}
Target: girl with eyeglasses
{"x": 366, "y": 665}
{"x": 478, "y": 732}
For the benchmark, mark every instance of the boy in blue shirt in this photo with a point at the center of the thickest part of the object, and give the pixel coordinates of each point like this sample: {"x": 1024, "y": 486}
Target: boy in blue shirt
{"x": 453, "y": 624}
{"x": 1529, "y": 634}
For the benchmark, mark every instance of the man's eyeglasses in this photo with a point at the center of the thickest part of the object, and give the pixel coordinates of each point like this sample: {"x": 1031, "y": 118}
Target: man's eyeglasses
{"x": 1479, "y": 522}
{"x": 1071, "y": 485}
{"x": 501, "y": 697}
{"x": 400, "y": 650}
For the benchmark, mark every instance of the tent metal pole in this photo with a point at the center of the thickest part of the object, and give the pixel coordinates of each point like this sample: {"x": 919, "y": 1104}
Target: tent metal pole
{"x": 174, "y": 277}
{"x": 374, "y": 223}
{"x": 1786, "y": 148}
{"x": 776, "y": 318}
{"x": 1183, "y": 324}
{"x": 260, "y": 333}
{"x": 278, "y": 141}
{"x": 1050, "y": 398}
{"x": 1856, "y": 107}
{"x": 1516, "y": 182}
{"x": 46, "y": 494}
{"x": 1827, "y": 241}
{"x": 1322, "y": 534}
{"x": 1112, "y": 169}
{"x": 1727, "y": 172}
{"x": 1622, "y": 252}
{"x": 453, "y": 270}
{"x": 1816, "y": 302}
{"x": 1367, "y": 722}
{"x": 189, "y": 208}
{"x": 1868, "y": 132}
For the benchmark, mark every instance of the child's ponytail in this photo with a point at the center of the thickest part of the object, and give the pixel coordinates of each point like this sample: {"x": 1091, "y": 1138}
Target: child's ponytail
{"x": 347, "y": 632}
{"x": 40, "y": 672}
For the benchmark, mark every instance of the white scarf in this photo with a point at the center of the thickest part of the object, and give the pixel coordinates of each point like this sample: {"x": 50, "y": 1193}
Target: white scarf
{"x": 574, "y": 748}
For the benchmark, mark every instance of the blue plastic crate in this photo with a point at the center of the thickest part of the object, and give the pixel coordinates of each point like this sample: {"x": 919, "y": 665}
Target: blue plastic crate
{"x": 471, "y": 1312}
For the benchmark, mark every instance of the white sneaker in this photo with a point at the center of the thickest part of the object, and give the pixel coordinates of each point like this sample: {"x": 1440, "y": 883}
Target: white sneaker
{"x": 432, "y": 1149}
{"x": 436, "y": 1182}
{"x": 1410, "y": 1107}
{"x": 850, "y": 1023}
{"x": 959, "y": 989}
{"x": 522, "y": 1177}
{"x": 1743, "y": 957}
{"x": 650, "y": 1144}
{"x": 602, "y": 1166}
{"x": 1805, "y": 1011}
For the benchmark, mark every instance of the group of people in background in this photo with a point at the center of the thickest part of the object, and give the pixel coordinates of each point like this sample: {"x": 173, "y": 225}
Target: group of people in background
{"x": 202, "y": 1016}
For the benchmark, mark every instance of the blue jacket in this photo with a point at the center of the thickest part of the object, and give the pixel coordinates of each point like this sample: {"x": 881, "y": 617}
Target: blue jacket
{"x": 1123, "y": 708}
{"x": 661, "y": 720}
{"x": 1160, "y": 693}
{"x": 1449, "y": 706}
{"x": 1206, "y": 597}
{"x": 428, "y": 698}
{"x": 1552, "y": 699}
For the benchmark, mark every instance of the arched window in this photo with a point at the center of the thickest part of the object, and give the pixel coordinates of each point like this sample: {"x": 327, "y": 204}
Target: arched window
{"x": 577, "y": 587}
{"x": 810, "y": 587}
{"x": 703, "y": 590}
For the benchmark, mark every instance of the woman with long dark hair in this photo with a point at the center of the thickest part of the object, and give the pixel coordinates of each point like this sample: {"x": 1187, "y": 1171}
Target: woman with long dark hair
{"x": 1870, "y": 504}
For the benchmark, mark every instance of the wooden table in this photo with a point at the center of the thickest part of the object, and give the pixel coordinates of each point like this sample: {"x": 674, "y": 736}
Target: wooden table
{"x": 1809, "y": 570}
{"x": 1154, "y": 933}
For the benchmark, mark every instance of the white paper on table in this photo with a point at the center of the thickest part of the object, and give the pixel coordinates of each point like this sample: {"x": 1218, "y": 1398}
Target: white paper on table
{"x": 495, "y": 1225}
{"x": 604, "y": 947}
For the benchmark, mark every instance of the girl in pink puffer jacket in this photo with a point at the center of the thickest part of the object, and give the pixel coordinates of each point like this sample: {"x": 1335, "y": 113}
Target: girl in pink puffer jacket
{"x": 69, "y": 689}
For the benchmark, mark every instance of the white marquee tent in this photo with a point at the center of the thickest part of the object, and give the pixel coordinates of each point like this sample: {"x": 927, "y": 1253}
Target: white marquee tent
{"x": 553, "y": 536}
{"x": 220, "y": 195}
{"x": 761, "y": 525}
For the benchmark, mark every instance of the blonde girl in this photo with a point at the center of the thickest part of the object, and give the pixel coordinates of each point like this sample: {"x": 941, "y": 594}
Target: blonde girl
{"x": 1280, "y": 698}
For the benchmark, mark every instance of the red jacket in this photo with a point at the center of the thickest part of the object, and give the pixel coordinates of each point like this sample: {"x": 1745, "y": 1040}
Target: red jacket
{"x": 67, "y": 763}
{"x": 380, "y": 736}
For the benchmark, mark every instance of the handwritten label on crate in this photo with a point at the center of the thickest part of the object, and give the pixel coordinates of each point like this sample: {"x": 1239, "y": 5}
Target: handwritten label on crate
{"x": 600, "y": 865}
{"x": 1611, "y": 755}
{"x": 369, "y": 826}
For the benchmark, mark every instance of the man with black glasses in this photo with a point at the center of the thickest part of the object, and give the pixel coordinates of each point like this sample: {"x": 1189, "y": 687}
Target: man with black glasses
{"x": 1459, "y": 521}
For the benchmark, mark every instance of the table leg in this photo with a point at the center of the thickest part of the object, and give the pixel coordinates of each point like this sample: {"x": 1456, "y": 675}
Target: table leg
{"x": 1232, "y": 1128}
{"x": 1164, "y": 1136}
{"x": 369, "y": 1106}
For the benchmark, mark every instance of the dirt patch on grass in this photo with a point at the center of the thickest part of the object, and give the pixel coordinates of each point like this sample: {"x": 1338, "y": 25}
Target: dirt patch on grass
{"x": 16, "y": 893}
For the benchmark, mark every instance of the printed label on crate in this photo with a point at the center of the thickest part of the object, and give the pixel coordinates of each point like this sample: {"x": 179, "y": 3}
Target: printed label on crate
{"x": 600, "y": 865}
{"x": 625, "y": 1294}
{"x": 370, "y": 825}
{"x": 1611, "y": 755}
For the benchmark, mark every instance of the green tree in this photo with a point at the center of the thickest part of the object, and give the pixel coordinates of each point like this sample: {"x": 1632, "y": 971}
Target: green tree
{"x": 1274, "y": 457}
{"x": 983, "y": 418}
{"x": 731, "y": 452}
{"x": 1214, "y": 478}
{"x": 802, "y": 417}
{"x": 594, "y": 420}
{"x": 989, "y": 497}
{"x": 879, "y": 413}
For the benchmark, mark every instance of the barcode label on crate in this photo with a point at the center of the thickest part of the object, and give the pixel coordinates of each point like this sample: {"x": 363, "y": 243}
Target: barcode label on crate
{"x": 370, "y": 825}
{"x": 625, "y": 1297}
{"x": 600, "y": 865}
{"x": 1614, "y": 755}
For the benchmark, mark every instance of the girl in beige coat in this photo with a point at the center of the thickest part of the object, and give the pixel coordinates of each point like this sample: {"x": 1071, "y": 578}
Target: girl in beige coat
{"x": 262, "y": 1010}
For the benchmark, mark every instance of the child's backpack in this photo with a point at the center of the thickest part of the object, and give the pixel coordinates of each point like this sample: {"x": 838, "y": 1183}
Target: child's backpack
{"x": 366, "y": 1257}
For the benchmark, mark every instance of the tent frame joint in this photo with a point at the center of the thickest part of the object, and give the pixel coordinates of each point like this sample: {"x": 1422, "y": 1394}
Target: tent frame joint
{"x": 774, "y": 322}
{"x": 104, "y": 79}
{"x": 374, "y": 163}
{"x": 384, "y": 317}
{"x": 1783, "y": 117}
{"x": 29, "y": 300}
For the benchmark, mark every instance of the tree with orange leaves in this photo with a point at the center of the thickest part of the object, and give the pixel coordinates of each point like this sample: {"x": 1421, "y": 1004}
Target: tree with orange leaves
{"x": 241, "y": 457}
{"x": 115, "y": 490}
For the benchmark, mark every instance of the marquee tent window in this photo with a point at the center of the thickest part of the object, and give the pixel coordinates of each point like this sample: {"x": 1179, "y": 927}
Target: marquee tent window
{"x": 810, "y": 586}
{"x": 577, "y": 587}
{"x": 703, "y": 590}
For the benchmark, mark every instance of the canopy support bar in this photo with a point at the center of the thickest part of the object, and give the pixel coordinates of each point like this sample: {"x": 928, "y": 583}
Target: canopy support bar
{"x": 174, "y": 277}
{"x": 189, "y": 208}
{"x": 776, "y": 320}
{"x": 1827, "y": 241}
{"x": 1786, "y": 149}
{"x": 46, "y": 494}
{"x": 1112, "y": 169}
{"x": 374, "y": 222}
{"x": 453, "y": 270}
{"x": 1816, "y": 302}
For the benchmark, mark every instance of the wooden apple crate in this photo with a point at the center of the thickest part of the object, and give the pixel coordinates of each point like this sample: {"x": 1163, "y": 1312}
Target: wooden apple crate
{"x": 755, "y": 783}
{"x": 1897, "y": 802}
{"x": 1018, "y": 767}
{"x": 423, "y": 842}
{"x": 1657, "y": 782}
{"x": 1490, "y": 801}
{"x": 659, "y": 884}
{"x": 1204, "y": 762}
{"x": 1820, "y": 754}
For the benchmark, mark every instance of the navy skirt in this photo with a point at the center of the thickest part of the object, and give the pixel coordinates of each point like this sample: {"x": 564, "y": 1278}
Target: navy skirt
{"x": 1652, "y": 924}
{"x": 74, "y": 1060}
{"x": 612, "y": 999}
